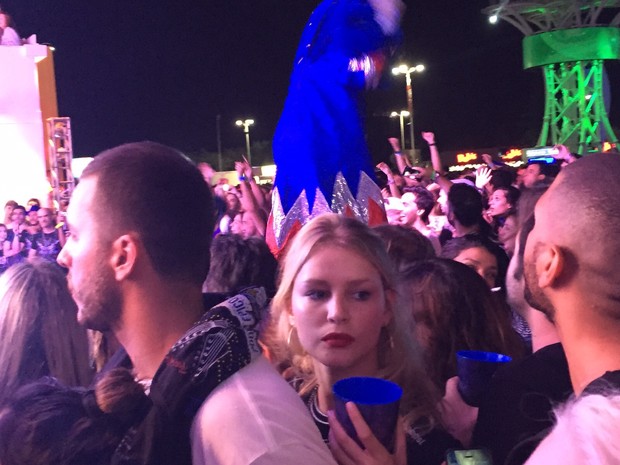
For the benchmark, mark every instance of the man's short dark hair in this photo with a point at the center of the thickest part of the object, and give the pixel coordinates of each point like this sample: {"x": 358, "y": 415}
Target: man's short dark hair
{"x": 455, "y": 246}
{"x": 512, "y": 195}
{"x": 550, "y": 170}
{"x": 159, "y": 193}
{"x": 237, "y": 263}
{"x": 405, "y": 245}
{"x": 424, "y": 200}
{"x": 465, "y": 203}
{"x": 503, "y": 177}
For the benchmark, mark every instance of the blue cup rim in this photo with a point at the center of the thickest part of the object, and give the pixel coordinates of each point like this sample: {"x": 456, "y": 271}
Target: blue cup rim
{"x": 482, "y": 356}
{"x": 367, "y": 390}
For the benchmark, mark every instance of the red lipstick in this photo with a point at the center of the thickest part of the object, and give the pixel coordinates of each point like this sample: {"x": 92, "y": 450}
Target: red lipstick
{"x": 338, "y": 340}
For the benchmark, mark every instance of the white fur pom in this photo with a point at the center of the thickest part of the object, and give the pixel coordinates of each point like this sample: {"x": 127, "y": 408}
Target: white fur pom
{"x": 388, "y": 14}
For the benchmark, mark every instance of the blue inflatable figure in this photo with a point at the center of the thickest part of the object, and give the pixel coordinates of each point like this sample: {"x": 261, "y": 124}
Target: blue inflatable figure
{"x": 323, "y": 161}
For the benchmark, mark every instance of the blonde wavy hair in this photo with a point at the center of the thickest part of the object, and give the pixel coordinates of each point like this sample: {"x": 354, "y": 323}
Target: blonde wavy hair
{"x": 400, "y": 358}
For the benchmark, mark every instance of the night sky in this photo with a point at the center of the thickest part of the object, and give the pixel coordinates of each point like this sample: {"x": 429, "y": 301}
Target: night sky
{"x": 130, "y": 70}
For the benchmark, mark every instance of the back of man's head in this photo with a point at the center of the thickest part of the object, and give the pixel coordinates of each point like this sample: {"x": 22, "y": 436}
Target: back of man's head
{"x": 465, "y": 203}
{"x": 503, "y": 177}
{"x": 583, "y": 205}
{"x": 158, "y": 193}
{"x": 238, "y": 263}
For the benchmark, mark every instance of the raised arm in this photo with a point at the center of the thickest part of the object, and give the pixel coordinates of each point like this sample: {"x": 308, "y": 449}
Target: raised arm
{"x": 401, "y": 159}
{"x": 259, "y": 196}
{"x": 394, "y": 190}
{"x": 441, "y": 177}
{"x": 249, "y": 203}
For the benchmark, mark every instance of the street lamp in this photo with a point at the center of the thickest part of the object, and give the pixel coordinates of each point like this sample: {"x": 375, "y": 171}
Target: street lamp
{"x": 246, "y": 130}
{"x": 407, "y": 71}
{"x": 402, "y": 115}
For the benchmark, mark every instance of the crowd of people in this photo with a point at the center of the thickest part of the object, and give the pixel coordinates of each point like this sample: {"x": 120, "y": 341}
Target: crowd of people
{"x": 30, "y": 232}
{"x": 216, "y": 336}
{"x": 234, "y": 362}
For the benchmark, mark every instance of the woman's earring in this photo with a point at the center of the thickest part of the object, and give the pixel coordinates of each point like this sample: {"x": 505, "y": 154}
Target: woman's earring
{"x": 293, "y": 343}
{"x": 289, "y": 337}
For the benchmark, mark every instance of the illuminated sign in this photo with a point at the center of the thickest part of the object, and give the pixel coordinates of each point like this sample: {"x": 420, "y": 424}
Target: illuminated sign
{"x": 512, "y": 154}
{"x": 608, "y": 147}
{"x": 541, "y": 152}
{"x": 466, "y": 157}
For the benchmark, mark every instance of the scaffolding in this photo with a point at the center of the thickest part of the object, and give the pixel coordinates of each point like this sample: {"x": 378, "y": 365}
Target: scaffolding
{"x": 569, "y": 40}
{"x": 60, "y": 157}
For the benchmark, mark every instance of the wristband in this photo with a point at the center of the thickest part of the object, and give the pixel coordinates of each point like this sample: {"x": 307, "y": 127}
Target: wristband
{"x": 390, "y": 181}
{"x": 398, "y": 154}
{"x": 432, "y": 145}
{"x": 242, "y": 178}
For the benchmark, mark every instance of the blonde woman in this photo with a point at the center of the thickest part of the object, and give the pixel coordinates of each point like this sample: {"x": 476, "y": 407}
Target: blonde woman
{"x": 337, "y": 316}
{"x": 39, "y": 333}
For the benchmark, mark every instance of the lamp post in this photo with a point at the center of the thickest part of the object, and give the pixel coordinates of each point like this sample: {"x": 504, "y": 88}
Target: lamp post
{"x": 407, "y": 71}
{"x": 246, "y": 130}
{"x": 402, "y": 115}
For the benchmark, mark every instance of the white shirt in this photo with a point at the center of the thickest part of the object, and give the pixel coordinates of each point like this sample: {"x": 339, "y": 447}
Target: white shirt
{"x": 10, "y": 37}
{"x": 256, "y": 418}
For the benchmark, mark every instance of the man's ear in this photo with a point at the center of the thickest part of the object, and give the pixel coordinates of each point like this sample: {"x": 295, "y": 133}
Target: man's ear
{"x": 124, "y": 255}
{"x": 550, "y": 266}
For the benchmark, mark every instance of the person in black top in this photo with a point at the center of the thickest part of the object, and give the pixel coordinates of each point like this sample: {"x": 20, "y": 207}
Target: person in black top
{"x": 16, "y": 250}
{"x": 48, "y": 242}
{"x": 517, "y": 412}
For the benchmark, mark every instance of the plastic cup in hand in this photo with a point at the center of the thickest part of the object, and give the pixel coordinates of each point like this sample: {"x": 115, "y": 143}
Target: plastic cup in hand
{"x": 377, "y": 400}
{"x": 475, "y": 370}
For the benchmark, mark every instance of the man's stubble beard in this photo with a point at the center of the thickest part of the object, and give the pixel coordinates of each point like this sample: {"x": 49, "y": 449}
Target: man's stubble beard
{"x": 101, "y": 301}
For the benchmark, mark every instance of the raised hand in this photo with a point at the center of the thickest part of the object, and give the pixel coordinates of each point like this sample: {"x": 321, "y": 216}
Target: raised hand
{"x": 240, "y": 168}
{"x": 395, "y": 143}
{"x": 206, "y": 170}
{"x": 483, "y": 177}
{"x": 248, "y": 168}
{"x": 429, "y": 137}
{"x": 385, "y": 168}
{"x": 563, "y": 152}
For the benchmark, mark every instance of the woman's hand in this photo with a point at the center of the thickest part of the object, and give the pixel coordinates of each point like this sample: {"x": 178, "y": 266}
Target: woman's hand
{"x": 347, "y": 452}
{"x": 240, "y": 168}
{"x": 459, "y": 418}
{"x": 483, "y": 177}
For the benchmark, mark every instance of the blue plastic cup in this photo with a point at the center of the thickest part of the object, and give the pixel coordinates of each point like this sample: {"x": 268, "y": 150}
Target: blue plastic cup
{"x": 378, "y": 401}
{"x": 475, "y": 370}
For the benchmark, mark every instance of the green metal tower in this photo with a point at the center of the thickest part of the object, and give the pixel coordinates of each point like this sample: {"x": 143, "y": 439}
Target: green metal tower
{"x": 569, "y": 40}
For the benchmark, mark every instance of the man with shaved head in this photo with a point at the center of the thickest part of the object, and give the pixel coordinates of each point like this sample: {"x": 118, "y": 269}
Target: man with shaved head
{"x": 572, "y": 268}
